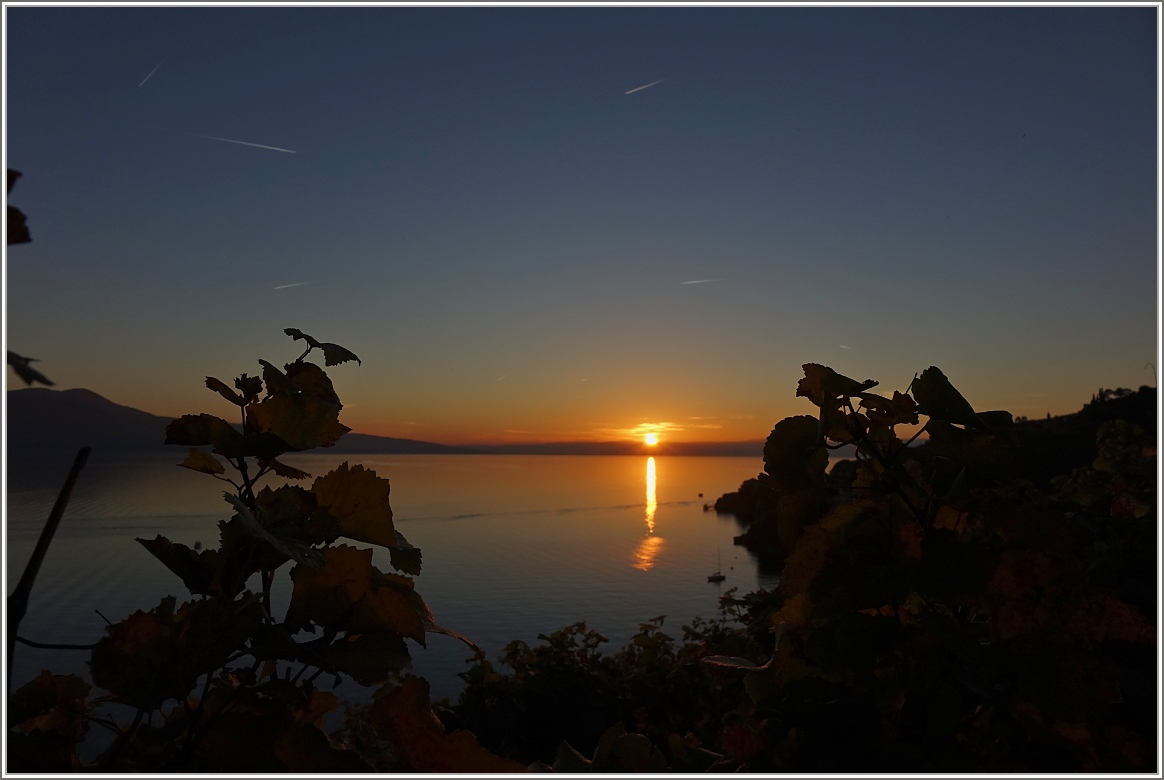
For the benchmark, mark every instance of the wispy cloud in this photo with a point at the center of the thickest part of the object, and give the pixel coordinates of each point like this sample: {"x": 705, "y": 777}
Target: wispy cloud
{"x": 502, "y": 377}
{"x": 152, "y": 72}
{"x": 700, "y": 281}
{"x": 842, "y": 346}
{"x": 245, "y": 143}
{"x": 285, "y": 286}
{"x": 645, "y": 86}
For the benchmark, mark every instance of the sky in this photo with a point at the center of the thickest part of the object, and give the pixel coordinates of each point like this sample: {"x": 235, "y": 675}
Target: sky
{"x": 561, "y": 224}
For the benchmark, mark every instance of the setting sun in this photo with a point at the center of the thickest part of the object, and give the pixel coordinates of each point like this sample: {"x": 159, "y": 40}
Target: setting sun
{"x": 651, "y": 439}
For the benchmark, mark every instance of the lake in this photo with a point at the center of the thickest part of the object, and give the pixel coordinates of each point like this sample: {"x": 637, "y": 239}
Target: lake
{"x": 513, "y": 545}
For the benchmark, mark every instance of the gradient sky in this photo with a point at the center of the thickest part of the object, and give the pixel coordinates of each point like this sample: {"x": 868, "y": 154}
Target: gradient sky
{"x": 478, "y": 208}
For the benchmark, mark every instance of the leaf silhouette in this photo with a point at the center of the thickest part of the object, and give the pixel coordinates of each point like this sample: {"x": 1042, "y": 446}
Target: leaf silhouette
{"x": 358, "y": 499}
{"x": 200, "y": 460}
{"x": 821, "y": 382}
{"x": 199, "y": 570}
{"x": 326, "y": 595}
{"x": 251, "y": 387}
{"x": 154, "y": 656}
{"x": 20, "y": 365}
{"x": 333, "y": 354}
{"x": 220, "y": 387}
{"x": 251, "y": 525}
{"x": 405, "y": 557}
{"x": 301, "y": 407}
{"x": 404, "y": 717}
{"x": 17, "y": 222}
{"x": 937, "y": 398}
{"x": 793, "y": 457}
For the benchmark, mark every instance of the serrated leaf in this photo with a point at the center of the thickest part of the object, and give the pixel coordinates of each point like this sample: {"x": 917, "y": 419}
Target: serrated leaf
{"x": 404, "y": 717}
{"x": 283, "y": 470}
{"x": 154, "y": 656}
{"x": 405, "y": 557}
{"x": 938, "y": 399}
{"x": 821, "y": 382}
{"x": 199, "y": 570}
{"x": 326, "y": 595}
{"x": 301, "y": 407}
{"x": 50, "y": 703}
{"x": 297, "y": 334}
{"x": 202, "y": 461}
{"x": 389, "y": 606}
{"x": 251, "y": 387}
{"x": 252, "y": 526}
{"x": 368, "y": 658}
{"x": 220, "y": 387}
{"x": 334, "y": 354}
{"x": 200, "y": 429}
{"x": 358, "y": 500}
{"x": 793, "y": 456}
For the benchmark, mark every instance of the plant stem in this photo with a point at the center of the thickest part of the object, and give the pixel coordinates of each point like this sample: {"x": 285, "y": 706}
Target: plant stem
{"x": 18, "y": 601}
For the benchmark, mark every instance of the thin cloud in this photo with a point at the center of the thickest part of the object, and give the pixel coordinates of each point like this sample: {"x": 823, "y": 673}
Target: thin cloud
{"x": 246, "y": 143}
{"x": 285, "y": 286}
{"x": 502, "y": 377}
{"x": 645, "y": 86}
{"x": 152, "y": 72}
{"x": 842, "y": 346}
{"x": 700, "y": 281}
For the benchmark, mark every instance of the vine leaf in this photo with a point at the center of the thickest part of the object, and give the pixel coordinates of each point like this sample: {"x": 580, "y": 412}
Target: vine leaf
{"x": 368, "y": 658}
{"x": 154, "y": 656}
{"x": 283, "y": 470}
{"x": 821, "y": 382}
{"x": 199, "y": 570}
{"x": 404, "y": 718}
{"x": 333, "y": 354}
{"x": 202, "y": 461}
{"x": 405, "y": 557}
{"x": 358, "y": 500}
{"x": 792, "y": 456}
{"x": 301, "y": 407}
{"x": 251, "y": 387}
{"x": 392, "y": 605}
{"x": 251, "y": 526}
{"x": 326, "y": 595}
{"x": 220, "y": 387}
{"x": 937, "y": 398}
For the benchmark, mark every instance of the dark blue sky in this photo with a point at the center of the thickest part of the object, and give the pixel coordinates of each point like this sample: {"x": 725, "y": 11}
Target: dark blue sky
{"x": 478, "y": 208}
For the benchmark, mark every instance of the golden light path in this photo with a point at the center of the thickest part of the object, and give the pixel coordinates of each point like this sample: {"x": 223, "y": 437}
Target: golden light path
{"x": 649, "y": 548}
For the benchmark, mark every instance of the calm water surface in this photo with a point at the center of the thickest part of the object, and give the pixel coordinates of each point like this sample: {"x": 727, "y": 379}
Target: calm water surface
{"x": 513, "y": 546}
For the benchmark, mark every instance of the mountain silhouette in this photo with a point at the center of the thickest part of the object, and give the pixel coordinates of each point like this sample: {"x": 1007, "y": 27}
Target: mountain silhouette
{"x": 40, "y": 418}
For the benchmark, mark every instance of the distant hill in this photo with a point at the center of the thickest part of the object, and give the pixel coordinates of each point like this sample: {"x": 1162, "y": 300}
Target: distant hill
{"x": 41, "y": 418}
{"x": 45, "y": 419}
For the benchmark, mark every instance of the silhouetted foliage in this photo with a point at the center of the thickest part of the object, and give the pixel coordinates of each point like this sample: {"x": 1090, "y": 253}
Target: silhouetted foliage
{"x": 226, "y": 679}
{"x": 937, "y": 612}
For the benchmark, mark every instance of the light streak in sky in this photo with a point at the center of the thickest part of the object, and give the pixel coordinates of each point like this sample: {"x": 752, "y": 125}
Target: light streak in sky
{"x": 700, "y": 281}
{"x": 246, "y": 143}
{"x": 644, "y": 86}
{"x": 285, "y": 286}
{"x": 842, "y": 346}
{"x": 152, "y": 72}
{"x": 502, "y": 377}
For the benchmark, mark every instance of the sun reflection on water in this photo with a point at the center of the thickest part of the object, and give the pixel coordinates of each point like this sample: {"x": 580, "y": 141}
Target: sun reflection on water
{"x": 649, "y": 548}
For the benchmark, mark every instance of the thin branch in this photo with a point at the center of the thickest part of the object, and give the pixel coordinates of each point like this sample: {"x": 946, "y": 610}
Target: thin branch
{"x": 50, "y": 646}
{"x": 18, "y": 601}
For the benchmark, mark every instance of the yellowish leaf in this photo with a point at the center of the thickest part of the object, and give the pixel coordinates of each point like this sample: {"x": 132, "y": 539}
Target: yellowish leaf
{"x": 358, "y": 500}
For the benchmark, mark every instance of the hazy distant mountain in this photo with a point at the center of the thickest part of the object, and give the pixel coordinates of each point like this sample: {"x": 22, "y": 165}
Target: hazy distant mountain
{"x": 43, "y": 418}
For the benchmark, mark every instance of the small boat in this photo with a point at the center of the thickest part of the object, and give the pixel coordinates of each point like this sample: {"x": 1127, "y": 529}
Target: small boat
{"x": 719, "y": 576}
